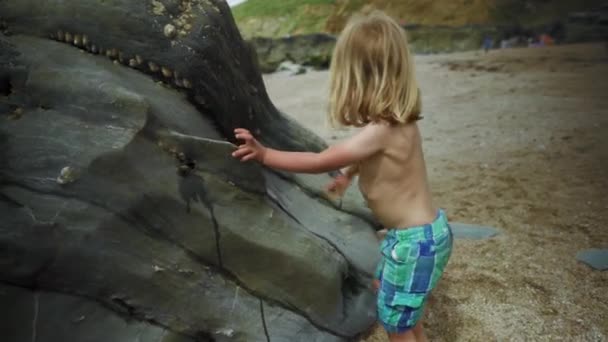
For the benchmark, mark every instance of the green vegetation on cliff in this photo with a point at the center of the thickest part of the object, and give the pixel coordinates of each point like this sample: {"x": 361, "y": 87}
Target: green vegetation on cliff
{"x": 276, "y": 18}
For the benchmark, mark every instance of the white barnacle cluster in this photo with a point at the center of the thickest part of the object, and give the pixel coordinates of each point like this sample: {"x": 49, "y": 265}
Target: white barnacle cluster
{"x": 84, "y": 42}
{"x": 66, "y": 175}
{"x": 181, "y": 22}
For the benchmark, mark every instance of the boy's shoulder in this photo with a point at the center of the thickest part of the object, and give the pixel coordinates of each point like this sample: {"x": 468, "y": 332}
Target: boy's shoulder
{"x": 383, "y": 129}
{"x": 377, "y": 128}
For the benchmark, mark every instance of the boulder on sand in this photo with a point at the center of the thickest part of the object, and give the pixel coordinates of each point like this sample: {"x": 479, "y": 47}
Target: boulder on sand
{"x": 117, "y": 186}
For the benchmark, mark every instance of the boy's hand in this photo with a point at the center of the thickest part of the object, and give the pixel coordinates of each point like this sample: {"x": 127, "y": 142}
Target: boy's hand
{"x": 251, "y": 149}
{"x": 338, "y": 186}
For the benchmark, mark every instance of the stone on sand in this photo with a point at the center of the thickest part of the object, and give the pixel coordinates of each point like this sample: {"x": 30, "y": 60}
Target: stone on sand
{"x": 594, "y": 258}
{"x": 472, "y": 232}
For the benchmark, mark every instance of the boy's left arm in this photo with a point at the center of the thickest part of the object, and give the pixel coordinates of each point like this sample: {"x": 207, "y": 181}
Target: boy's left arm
{"x": 350, "y": 171}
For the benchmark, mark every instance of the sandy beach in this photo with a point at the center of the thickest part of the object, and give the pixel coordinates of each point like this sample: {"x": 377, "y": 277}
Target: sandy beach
{"x": 515, "y": 139}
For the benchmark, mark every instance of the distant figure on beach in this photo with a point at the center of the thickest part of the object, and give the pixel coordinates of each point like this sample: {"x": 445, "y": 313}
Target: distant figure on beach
{"x": 488, "y": 43}
{"x": 546, "y": 40}
{"x": 374, "y": 87}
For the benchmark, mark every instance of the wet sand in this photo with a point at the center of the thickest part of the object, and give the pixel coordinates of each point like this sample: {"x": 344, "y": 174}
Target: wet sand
{"x": 514, "y": 139}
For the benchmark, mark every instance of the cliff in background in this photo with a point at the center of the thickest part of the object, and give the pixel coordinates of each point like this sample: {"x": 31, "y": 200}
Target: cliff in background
{"x": 303, "y": 31}
{"x": 277, "y": 18}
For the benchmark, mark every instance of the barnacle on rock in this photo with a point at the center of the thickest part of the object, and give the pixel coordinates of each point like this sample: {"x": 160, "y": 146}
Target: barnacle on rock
{"x": 16, "y": 114}
{"x": 77, "y": 40}
{"x": 158, "y": 8}
{"x": 153, "y": 67}
{"x": 169, "y": 31}
{"x": 66, "y": 175}
{"x": 167, "y": 72}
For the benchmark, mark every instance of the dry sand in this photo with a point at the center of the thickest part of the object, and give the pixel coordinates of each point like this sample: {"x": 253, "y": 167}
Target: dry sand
{"x": 514, "y": 139}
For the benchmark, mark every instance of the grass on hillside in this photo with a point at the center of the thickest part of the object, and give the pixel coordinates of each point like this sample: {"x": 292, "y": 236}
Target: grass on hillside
{"x": 272, "y": 18}
{"x": 272, "y": 8}
{"x": 281, "y": 17}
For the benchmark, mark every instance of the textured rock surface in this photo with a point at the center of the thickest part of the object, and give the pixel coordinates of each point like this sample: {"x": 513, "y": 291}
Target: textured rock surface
{"x": 208, "y": 52}
{"x": 50, "y": 317}
{"x": 121, "y": 190}
{"x": 309, "y": 50}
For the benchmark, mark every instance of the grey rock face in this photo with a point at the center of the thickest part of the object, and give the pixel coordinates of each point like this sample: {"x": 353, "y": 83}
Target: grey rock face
{"x": 312, "y": 50}
{"x": 50, "y": 317}
{"x": 119, "y": 191}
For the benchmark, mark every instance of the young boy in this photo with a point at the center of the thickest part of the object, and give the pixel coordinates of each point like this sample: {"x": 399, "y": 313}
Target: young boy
{"x": 373, "y": 86}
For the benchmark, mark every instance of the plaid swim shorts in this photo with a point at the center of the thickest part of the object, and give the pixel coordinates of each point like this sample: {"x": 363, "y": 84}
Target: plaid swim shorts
{"x": 413, "y": 261}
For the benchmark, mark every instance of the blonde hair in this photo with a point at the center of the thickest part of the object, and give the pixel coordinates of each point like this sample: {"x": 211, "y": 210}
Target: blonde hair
{"x": 372, "y": 74}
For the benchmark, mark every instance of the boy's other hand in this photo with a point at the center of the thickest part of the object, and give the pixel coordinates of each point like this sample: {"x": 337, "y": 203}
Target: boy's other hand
{"x": 251, "y": 149}
{"x": 338, "y": 186}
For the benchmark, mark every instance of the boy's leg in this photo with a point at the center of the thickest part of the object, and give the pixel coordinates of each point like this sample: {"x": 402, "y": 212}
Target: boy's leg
{"x": 419, "y": 332}
{"x": 419, "y": 329}
{"x": 408, "y": 336}
{"x": 415, "y": 335}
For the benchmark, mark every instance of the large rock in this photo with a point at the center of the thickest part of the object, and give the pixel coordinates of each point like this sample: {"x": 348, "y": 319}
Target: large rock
{"x": 121, "y": 190}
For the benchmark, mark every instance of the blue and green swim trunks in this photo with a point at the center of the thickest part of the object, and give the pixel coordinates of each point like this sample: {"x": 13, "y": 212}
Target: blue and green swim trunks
{"x": 413, "y": 261}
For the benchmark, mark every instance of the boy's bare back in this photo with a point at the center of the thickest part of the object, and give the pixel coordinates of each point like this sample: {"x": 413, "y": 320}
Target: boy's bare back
{"x": 394, "y": 180}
